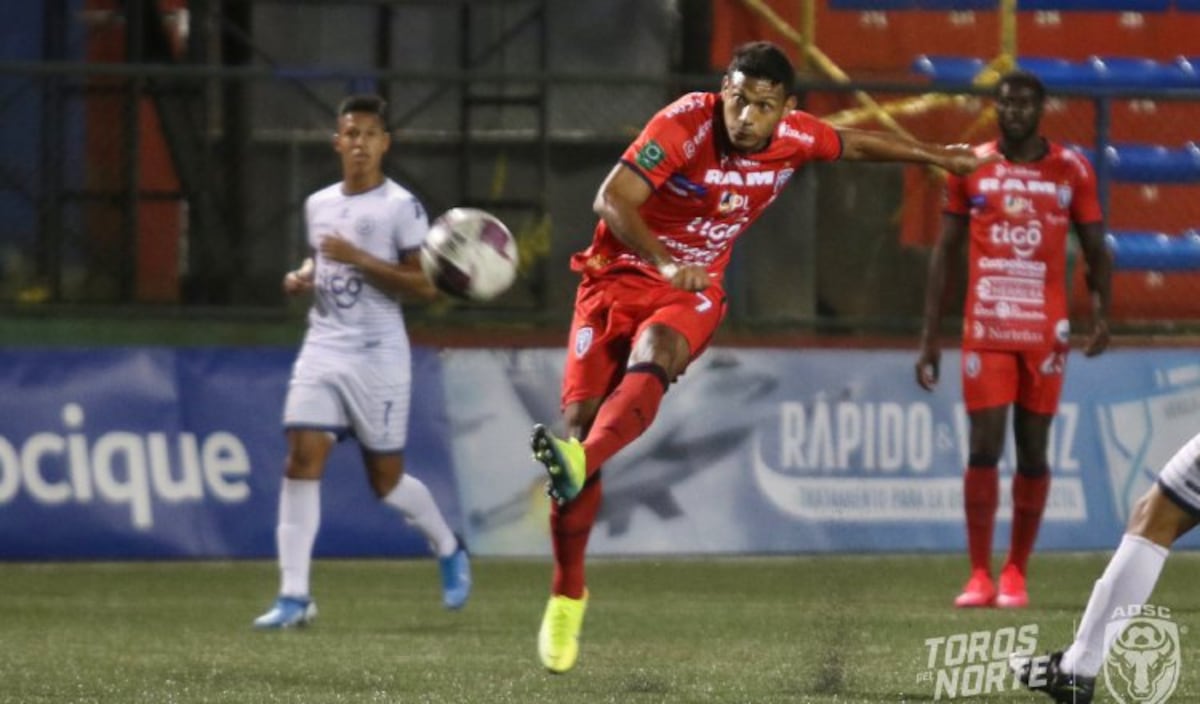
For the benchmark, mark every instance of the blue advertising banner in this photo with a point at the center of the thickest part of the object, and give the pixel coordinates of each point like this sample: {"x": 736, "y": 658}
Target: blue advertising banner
{"x": 162, "y": 452}
{"x": 812, "y": 450}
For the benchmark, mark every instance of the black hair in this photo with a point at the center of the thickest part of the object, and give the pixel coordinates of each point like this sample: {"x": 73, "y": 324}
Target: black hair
{"x": 1023, "y": 79}
{"x": 364, "y": 103}
{"x": 764, "y": 60}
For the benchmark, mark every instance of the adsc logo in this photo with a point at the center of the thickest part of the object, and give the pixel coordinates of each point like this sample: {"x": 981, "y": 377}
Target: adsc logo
{"x": 1143, "y": 666}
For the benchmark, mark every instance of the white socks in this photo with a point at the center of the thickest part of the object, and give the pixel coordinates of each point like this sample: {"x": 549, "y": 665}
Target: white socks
{"x": 1128, "y": 581}
{"x": 299, "y": 517}
{"x": 415, "y": 501}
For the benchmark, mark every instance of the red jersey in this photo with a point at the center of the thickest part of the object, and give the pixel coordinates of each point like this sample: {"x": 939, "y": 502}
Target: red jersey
{"x": 705, "y": 196}
{"x": 1020, "y": 218}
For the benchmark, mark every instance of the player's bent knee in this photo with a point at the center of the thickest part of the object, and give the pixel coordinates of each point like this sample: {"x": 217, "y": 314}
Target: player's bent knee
{"x": 1157, "y": 518}
{"x": 578, "y": 416}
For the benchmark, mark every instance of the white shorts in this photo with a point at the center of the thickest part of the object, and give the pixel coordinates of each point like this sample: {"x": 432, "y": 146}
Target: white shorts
{"x": 365, "y": 393}
{"x": 1180, "y": 479}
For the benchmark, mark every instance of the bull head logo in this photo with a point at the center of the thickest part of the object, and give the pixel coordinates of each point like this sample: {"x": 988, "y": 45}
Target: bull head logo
{"x": 1143, "y": 666}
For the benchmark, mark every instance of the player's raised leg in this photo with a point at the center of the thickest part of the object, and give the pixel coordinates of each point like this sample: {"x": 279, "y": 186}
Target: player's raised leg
{"x": 412, "y": 498}
{"x": 296, "y": 530}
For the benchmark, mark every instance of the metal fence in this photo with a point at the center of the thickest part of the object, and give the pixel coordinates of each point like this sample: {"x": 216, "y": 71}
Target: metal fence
{"x": 151, "y": 185}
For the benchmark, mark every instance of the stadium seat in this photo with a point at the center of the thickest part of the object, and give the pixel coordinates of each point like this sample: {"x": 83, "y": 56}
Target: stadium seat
{"x": 1189, "y": 73}
{"x": 1060, "y": 73}
{"x": 1150, "y": 163}
{"x": 1094, "y": 5}
{"x": 948, "y": 70}
{"x": 1155, "y": 251}
{"x": 1129, "y": 72}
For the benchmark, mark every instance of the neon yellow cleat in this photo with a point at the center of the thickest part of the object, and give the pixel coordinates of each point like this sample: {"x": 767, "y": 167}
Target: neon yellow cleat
{"x": 558, "y": 639}
{"x": 564, "y": 461}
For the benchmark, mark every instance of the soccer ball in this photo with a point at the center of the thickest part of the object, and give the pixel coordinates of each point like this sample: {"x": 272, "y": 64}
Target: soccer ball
{"x": 470, "y": 254}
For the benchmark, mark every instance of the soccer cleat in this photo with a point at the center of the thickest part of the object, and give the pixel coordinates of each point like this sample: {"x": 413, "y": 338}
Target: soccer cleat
{"x": 979, "y": 591}
{"x": 1012, "y": 589}
{"x": 456, "y": 577}
{"x": 558, "y": 638}
{"x": 288, "y": 612}
{"x": 564, "y": 461}
{"x": 1044, "y": 674}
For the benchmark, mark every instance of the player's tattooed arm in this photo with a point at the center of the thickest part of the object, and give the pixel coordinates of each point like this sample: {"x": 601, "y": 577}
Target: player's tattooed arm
{"x": 617, "y": 202}
{"x": 949, "y": 247}
{"x": 1099, "y": 283}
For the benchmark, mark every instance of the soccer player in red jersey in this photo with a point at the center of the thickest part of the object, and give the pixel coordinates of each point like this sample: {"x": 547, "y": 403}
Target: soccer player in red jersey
{"x": 1016, "y": 213}
{"x": 652, "y": 295}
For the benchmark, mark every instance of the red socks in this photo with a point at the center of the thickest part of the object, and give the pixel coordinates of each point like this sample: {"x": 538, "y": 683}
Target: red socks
{"x": 570, "y": 526}
{"x": 625, "y": 414}
{"x": 981, "y": 496}
{"x": 1029, "y": 495}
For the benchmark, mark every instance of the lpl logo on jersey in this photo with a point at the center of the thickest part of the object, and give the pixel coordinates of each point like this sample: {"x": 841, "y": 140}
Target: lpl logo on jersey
{"x": 1143, "y": 666}
{"x": 731, "y": 201}
{"x": 1015, "y": 205}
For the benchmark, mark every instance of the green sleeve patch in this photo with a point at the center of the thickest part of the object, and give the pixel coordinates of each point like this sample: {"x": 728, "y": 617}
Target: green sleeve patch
{"x": 650, "y": 155}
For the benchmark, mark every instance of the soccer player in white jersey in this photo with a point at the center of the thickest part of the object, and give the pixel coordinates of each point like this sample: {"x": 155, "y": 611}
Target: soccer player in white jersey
{"x": 353, "y": 374}
{"x": 1170, "y": 508}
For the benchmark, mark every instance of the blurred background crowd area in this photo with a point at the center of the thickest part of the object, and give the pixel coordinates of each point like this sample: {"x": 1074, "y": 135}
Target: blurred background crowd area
{"x": 156, "y": 153}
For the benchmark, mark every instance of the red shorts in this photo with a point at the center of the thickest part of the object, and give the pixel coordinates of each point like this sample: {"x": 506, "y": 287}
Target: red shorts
{"x": 610, "y": 313}
{"x": 1032, "y": 379}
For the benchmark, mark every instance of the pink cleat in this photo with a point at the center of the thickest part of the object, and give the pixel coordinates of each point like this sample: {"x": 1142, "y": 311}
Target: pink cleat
{"x": 1012, "y": 589}
{"x": 980, "y": 591}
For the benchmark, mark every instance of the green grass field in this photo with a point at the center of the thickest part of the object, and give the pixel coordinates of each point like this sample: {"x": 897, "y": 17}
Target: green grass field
{"x": 781, "y": 629}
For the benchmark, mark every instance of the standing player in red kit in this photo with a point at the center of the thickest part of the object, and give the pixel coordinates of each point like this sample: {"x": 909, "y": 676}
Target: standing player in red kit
{"x": 652, "y": 295}
{"x": 1016, "y": 213}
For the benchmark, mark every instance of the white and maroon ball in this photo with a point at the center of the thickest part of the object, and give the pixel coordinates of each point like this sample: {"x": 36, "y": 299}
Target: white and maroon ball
{"x": 469, "y": 253}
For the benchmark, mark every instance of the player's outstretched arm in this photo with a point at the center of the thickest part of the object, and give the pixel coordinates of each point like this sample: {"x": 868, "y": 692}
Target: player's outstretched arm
{"x": 1099, "y": 283}
{"x": 404, "y": 278}
{"x": 866, "y": 145}
{"x": 949, "y": 247}
{"x": 617, "y": 202}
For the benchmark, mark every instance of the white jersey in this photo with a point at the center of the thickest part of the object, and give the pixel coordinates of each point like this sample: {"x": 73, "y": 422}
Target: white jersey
{"x": 347, "y": 312}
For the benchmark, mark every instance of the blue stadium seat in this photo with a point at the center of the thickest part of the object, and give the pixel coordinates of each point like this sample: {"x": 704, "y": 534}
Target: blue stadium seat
{"x": 1188, "y": 68}
{"x": 1061, "y": 73}
{"x": 1150, "y": 163}
{"x": 1095, "y": 5}
{"x": 948, "y": 70}
{"x": 1130, "y": 72}
{"x": 1155, "y": 251}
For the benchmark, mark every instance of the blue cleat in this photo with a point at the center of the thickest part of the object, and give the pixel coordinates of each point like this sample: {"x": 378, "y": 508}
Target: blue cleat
{"x": 288, "y": 612}
{"x": 456, "y": 577}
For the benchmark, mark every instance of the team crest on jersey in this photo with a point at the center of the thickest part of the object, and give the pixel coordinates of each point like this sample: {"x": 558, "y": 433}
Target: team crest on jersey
{"x": 364, "y": 225}
{"x": 971, "y": 364}
{"x": 1064, "y": 196}
{"x": 650, "y": 155}
{"x": 731, "y": 201}
{"x": 583, "y": 340}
